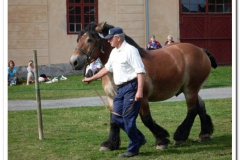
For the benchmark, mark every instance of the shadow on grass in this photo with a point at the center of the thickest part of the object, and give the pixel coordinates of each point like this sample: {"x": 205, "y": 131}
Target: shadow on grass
{"x": 193, "y": 146}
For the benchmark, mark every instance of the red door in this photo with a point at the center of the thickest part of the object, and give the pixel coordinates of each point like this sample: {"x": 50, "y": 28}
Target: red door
{"x": 208, "y": 24}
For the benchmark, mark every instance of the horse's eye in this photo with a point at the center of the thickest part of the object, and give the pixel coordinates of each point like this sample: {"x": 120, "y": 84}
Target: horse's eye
{"x": 89, "y": 40}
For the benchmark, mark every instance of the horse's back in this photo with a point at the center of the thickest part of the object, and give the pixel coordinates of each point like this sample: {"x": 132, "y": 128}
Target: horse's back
{"x": 180, "y": 56}
{"x": 173, "y": 68}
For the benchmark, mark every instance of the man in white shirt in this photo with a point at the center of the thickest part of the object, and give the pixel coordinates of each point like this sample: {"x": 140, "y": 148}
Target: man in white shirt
{"x": 126, "y": 64}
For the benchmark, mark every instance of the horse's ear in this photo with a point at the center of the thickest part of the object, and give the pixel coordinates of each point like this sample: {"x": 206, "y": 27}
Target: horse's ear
{"x": 100, "y": 26}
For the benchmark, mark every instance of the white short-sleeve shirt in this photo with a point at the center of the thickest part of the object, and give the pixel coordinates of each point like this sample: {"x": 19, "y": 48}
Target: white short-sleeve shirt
{"x": 125, "y": 63}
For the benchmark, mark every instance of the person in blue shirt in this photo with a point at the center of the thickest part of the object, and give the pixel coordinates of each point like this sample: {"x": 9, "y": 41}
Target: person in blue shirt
{"x": 12, "y": 73}
{"x": 153, "y": 44}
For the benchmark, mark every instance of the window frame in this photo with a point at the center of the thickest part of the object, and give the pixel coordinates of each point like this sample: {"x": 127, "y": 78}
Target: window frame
{"x": 82, "y": 5}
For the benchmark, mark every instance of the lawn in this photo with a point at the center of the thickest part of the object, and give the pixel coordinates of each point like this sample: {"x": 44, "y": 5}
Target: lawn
{"x": 76, "y": 134}
{"x": 73, "y": 87}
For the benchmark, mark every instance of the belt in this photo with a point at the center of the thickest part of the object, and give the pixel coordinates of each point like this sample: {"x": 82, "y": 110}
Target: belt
{"x": 123, "y": 84}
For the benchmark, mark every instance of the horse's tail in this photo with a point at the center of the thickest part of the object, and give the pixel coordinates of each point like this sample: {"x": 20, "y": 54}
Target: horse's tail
{"x": 212, "y": 59}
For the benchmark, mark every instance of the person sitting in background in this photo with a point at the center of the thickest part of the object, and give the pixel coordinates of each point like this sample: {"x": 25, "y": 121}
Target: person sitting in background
{"x": 153, "y": 44}
{"x": 169, "y": 40}
{"x": 94, "y": 68}
{"x": 12, "y": 73}
{"x": 30, "y": 74}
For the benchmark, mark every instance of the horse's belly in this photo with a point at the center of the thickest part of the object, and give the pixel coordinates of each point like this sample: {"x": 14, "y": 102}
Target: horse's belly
{"x": 160, "y": 97}
{"x": 161, "y": 92}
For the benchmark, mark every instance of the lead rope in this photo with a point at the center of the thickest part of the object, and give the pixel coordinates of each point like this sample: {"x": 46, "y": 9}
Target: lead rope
{"x": 100, "y": 97}
{"x": 128, "y": 110}
{"x": 85, "y": 68}
{"x": 115, "y": 113}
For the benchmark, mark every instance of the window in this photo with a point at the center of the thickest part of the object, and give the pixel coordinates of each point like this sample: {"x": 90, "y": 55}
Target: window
{"x": 220, "y": 6}
{"x": 204, "y": 6}
{"x": 80, "y": 13}
{"x": 195, "y": 6}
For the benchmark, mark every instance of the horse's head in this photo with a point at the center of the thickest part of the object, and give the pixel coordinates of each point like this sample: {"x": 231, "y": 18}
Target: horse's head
{"x": 89, "y": 45}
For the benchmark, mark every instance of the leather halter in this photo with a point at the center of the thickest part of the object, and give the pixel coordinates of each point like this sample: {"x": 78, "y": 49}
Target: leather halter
{"x": 90, "y": 53}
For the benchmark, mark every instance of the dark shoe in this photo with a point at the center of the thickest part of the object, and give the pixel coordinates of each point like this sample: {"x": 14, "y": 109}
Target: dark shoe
{"x": 144, "y": 141}
{"x": 127, "y": 155}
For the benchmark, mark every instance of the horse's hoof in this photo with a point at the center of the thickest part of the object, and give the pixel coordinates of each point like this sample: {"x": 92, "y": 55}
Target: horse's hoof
{"x": 176, "y": 143}
{"x": 204, "y": 138}
{"x": 104, "y": 149}
{"x": 162, "y": 146}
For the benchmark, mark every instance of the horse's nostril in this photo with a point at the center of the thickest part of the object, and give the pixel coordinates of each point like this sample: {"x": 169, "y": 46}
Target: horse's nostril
{"x": 75, "y": 63}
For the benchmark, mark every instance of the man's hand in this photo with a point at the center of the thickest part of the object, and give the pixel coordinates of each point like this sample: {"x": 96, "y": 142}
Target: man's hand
{"x": 138, "y": 96}
{"x": 100, "y": 74}
{"x": 86, "y": 80}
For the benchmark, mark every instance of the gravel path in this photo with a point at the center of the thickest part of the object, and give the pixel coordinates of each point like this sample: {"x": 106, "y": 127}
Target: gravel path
{"x": 213, "y": 93}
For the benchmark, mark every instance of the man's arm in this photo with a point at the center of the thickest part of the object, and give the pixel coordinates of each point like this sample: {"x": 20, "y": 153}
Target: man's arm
{"x": 140, "y": 78}
{"x": 100, "y": 74}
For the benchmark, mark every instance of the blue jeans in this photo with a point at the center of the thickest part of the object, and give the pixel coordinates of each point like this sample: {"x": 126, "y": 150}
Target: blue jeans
{"x": 123, "y": 100}
{"x": 12, "y": 80}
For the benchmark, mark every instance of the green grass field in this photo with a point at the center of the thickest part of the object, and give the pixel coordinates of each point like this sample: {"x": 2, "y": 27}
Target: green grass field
{"x": 73, "y": 87}
{"x": 76, "y": 134}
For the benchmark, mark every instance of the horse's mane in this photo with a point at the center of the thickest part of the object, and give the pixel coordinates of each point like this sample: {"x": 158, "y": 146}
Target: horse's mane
{"x": 128, "y": 40}
{"x": 142, "y": 52}
{"x": 90, "y": 29}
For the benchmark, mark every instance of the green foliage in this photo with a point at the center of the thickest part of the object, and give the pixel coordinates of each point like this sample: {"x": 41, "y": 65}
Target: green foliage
{"x": 73, "y": 87}
{"x": 76, "y": 134}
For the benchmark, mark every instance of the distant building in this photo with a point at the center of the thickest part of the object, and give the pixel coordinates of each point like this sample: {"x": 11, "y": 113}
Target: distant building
{"x": 51, "y": 26}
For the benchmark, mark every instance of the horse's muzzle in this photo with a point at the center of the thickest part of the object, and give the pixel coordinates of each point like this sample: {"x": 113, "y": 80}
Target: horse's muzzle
{"x": 76, "y": 62}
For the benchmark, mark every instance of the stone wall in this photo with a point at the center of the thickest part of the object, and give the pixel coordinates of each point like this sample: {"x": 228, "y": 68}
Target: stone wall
{"x": 52, "y": 70}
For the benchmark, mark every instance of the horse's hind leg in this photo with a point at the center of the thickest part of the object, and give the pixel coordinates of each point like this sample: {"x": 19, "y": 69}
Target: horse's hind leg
{"x": 183, "y": 130}
{"x": 159, "y": 133}
{"x": 206, "y": 122}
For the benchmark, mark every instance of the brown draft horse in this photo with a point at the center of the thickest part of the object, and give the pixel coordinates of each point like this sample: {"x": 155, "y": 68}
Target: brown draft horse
{"x": 174, "y": 69}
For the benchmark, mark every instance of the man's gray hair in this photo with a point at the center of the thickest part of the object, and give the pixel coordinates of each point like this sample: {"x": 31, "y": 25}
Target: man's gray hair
{"x": 122, "y": 36}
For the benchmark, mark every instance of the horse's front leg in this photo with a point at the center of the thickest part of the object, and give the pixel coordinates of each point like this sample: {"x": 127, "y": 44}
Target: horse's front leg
{"x": 113, "y": 141}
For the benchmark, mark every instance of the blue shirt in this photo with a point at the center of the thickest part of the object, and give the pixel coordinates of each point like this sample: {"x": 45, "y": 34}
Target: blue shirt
{"x": 12, "y": 74}
{"x": 154, "y": 45}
